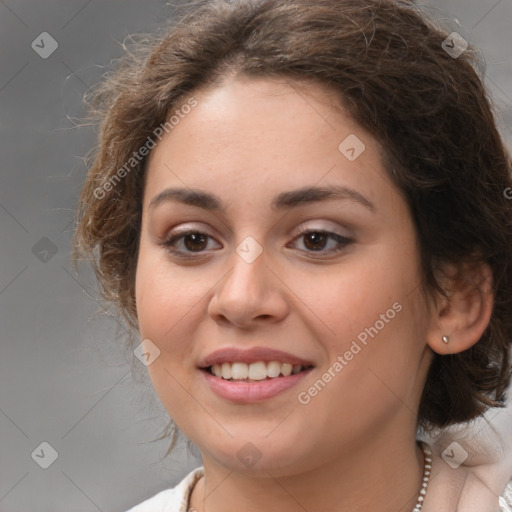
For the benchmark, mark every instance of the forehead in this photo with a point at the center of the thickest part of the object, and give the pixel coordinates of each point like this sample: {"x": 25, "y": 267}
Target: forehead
{"x": 254, "y": 134}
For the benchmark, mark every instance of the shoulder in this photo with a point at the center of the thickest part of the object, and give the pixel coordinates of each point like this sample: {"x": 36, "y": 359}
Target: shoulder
{"x": 471, "y": 489}
{"x": 171, "y": 500}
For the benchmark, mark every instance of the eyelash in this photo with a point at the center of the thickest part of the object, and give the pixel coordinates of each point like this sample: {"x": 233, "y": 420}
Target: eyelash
{"x": 170, "y": 242}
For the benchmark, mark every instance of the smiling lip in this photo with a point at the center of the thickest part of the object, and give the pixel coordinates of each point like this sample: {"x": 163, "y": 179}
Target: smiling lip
{"x": 252, "y": 355}
{"x": 252, "y": 391}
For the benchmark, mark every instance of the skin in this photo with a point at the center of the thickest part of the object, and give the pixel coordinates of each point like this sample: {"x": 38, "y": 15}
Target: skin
{"x": 352, "y": 447}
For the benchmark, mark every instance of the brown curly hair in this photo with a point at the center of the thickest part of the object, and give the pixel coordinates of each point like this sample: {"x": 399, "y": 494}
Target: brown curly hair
{"x": 387, "y": 61}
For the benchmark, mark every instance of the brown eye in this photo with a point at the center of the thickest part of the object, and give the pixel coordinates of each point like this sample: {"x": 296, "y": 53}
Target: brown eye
{"x": 195, "y": 241}
{"x": 318, "y": 241}
{"x": 187, "y": 242}
{"x": 315, "y": 240}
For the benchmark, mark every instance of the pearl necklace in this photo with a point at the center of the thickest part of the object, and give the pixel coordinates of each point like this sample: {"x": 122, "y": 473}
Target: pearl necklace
{"x": 427, "y": 452}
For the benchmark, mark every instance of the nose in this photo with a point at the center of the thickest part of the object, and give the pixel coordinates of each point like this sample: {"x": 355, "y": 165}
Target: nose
{"x": 249, "y": 294}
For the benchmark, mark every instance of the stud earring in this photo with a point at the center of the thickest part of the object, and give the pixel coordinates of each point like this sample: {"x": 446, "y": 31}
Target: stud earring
{"x": 446, "y": 339}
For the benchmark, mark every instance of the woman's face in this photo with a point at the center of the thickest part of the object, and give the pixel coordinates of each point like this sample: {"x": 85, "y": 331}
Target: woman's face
{"x": 343, "y": 298}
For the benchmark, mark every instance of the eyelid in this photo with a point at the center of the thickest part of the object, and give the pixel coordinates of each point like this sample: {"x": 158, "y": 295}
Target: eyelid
{"x": 334, "y": 230}
{"x": 185, "y": 229}
{"x": 306, "y": 229}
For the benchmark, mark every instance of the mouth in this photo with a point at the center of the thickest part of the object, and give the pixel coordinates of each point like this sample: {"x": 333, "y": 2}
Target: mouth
{"x": 250, "y": 375}
{"x": 241, "y": 389}
{"x": 255, "y": 372}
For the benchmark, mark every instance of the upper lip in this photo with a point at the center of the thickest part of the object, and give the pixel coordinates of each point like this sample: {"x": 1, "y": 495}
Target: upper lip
{"x": 252, "y": 355}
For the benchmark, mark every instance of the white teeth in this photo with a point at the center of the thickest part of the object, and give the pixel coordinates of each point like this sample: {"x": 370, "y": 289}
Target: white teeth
{"x": 226, "y": 371}
{"x": 239, "y": 371}
{"x": 273, "y": 369}
{"x": 258, "y": 371}
{"x": 255, "y": 371}
{"x": 286, "y": 369}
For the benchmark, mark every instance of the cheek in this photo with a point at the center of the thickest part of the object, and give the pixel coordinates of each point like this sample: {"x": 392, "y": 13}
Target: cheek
{"x": 374, "y": 318}
{"x": 164, "y": 297}
{"x": 371, "y": 373}
{"x": 350, "y": 297}
{"x": 167, "y": 307}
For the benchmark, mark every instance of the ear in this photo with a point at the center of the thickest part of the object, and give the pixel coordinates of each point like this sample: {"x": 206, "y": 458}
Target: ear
{"x": 465, "y": 314}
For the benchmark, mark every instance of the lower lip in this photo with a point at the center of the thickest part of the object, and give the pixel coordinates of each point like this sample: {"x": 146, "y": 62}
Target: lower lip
{"x": 249, "y": 392}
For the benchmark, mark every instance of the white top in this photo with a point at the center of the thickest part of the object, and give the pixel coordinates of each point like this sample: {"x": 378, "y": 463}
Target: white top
{"x": 177, "y": 498}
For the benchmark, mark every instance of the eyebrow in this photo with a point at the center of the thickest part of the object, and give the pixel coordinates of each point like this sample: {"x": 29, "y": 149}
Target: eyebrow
{"x": 284, "y": 200}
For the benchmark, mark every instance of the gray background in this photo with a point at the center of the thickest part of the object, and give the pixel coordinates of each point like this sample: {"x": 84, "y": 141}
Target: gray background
{"x": 64, "y": 377}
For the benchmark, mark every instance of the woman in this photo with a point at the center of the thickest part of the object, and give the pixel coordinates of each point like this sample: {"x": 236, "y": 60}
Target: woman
{"x": 302, "y": 209}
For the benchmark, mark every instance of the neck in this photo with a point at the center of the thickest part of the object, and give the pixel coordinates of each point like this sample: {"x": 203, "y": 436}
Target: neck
{"x": 383, "y": 474}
